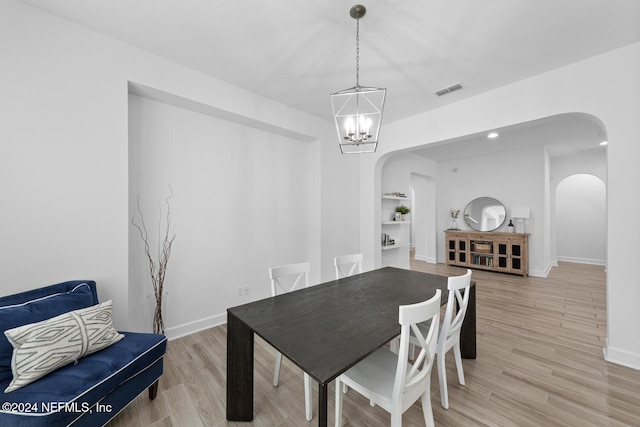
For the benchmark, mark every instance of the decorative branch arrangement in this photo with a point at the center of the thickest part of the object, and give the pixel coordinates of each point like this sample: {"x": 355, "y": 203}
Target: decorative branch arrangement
{"x": 159, "y": 269}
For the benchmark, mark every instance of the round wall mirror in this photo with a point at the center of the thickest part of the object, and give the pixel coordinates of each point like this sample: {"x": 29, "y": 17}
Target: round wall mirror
{"x": 485, "y": 214}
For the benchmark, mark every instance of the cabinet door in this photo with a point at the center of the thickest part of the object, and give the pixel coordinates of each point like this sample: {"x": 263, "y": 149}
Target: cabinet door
{"x": 502, "y": 254}
{"x": 452, "y": 248}
{"x": 457, "y": 251}
{"x": 463, "y": 246}
{"x": 517, "y": 253}
{"x": 510, "y": 255}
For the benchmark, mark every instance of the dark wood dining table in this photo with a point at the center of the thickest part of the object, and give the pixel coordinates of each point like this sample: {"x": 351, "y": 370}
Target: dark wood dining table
{"x": 328, "y": 328}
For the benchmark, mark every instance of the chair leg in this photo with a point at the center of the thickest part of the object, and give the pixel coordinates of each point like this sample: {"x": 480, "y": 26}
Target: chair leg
{"x": 412, "y": 351}
{"x": 338, "y": 403}
{"x": 396, "y": 417}
{"x": 427, "y": 410}
{"x": 458, "y": 355}
{"x": 276, "y": 369}
{"x": 394, "y": 344}
{"x": 308, "y": 406}
{"x": 153, "y": 390}
{"x": 442, "y": 378}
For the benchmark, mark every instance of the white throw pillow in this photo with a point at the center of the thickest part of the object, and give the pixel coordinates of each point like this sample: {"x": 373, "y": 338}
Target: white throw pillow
{"x": 42, "y": 347}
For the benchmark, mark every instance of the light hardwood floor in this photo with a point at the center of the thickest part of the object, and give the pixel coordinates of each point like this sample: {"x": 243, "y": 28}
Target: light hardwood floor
{"x": 539, "y": 363}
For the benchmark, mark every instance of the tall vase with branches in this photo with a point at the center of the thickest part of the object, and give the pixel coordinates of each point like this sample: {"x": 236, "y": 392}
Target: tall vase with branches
{"x": 157, "y": 267}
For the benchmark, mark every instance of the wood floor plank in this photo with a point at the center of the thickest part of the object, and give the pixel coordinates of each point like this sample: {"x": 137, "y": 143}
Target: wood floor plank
{"x": 540, "y": 363}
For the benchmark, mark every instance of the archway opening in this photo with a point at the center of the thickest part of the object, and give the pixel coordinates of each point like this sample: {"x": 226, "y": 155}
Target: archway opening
{"x": 581, "y": 223}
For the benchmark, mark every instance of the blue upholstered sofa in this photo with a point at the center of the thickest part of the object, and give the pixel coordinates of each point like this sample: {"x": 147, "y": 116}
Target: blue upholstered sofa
{"x": 89, "y": 391}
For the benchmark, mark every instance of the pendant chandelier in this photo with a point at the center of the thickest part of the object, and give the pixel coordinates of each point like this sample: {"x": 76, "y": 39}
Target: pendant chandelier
{"x": 358, "y": 110}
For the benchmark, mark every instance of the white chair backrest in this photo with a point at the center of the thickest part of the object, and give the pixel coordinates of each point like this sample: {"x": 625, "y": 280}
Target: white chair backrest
{"x": 411, "y": 384}
{"x": 287, "y": 278}
{"x": 348, "y": 265}
{"x": 458, "y": 287}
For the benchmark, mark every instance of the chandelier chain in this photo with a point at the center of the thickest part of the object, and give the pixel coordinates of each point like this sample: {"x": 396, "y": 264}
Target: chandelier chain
{"x": 358, "y": 52}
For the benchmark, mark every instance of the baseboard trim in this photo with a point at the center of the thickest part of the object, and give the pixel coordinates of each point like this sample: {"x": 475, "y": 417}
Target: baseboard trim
{"x": 195, "y": 326}
{"x": 425, "y": 258}
{"x": 583, "y": 260}
{"x": 541, "y": 273}
{"x": 621, "y": 357}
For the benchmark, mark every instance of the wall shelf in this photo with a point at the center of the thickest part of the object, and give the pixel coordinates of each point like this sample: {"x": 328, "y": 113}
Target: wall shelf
{"x": 396, "y": 254}
{"x": 396, "y": 246}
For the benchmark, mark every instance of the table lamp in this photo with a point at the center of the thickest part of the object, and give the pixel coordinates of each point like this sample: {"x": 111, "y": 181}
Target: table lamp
{"x": 520, "y": 214}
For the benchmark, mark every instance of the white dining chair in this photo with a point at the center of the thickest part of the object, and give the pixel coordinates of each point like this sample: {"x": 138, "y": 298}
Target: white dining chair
{"x": 348, "y": 265}
{"x": 449, "y": 336}
{"x": 287, "y": 278}
{"x": 387, "y": 379}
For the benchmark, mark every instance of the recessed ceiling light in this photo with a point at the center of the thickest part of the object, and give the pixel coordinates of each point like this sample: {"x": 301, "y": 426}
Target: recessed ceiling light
{"x": 604, "y": 143}
{"x": 492, "y": 135}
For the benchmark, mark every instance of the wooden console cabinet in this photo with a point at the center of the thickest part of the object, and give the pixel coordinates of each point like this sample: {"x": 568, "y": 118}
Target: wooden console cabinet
{"x": 501, "y": 252}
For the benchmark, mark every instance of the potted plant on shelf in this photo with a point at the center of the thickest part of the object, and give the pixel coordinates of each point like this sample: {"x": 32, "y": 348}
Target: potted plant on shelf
{"x": 402, "y": 210}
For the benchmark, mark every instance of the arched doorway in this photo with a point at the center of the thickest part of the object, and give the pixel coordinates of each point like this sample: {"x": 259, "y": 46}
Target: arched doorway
{"x": 580, "y": 218}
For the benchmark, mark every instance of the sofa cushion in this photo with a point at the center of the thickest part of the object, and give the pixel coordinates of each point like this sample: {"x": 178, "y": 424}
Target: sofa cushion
{"x": 36, "y": 310}
{"x": 43, "y": 347}
{"x": 73, "y": 390}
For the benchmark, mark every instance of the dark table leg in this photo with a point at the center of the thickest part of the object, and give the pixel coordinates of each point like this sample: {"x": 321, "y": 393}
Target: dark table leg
{"x": 468, "y": 329}
{"x": 239, "y": 370}
{"x": 322, "y": 404}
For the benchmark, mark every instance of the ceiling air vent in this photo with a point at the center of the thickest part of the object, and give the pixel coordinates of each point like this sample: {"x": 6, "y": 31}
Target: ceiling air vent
{"x": 454, "y": 87}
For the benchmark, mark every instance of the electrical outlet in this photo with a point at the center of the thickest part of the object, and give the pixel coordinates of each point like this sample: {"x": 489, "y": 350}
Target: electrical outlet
{"x": 245, "y": 290}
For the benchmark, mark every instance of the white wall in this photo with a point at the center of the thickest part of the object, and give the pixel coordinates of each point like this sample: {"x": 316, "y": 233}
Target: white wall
{"x": 515, "y": 178}
{"x": 423, "y": 226}
{"x": 238, "y": 208}
{"x": 504, "y": 176}
{"x": 592, "y": 224}
{"x": 581, "y": 215}
{"x": 64, "y": 170}
{"x": 340, "y": 204}
{"x": 64, "y": 163}
{"x": 398, "y": 174}
{"x": 583, "y": 87}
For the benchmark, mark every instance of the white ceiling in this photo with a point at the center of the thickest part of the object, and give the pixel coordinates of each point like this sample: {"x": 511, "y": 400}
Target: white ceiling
{"x": 298, "y": 52}
{"x": 564, "y": 135}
